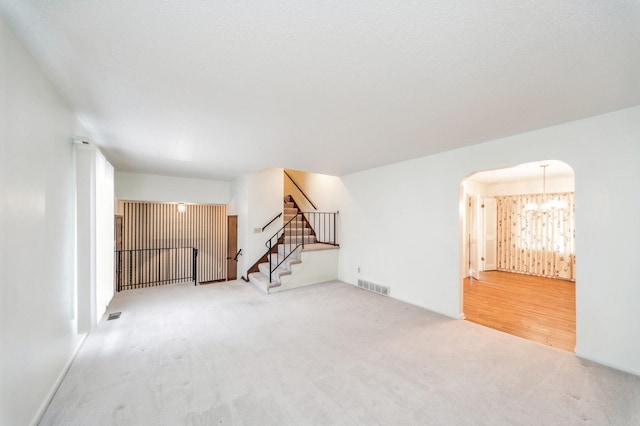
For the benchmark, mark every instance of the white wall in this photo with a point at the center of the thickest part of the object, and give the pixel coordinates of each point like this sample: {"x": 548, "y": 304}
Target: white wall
{"x": 85, "y": 213}
{"x": 239, "y": 206}
{"x": 95, "y": 234}
{"x": 400, "y": 225}
{"x": 266, "y": 200}
{"x": 144, "y": 187}
{"x": 38, "y": 335}
{"x": 105, "y": 244}
{"x": 256, "y": 199}
{"x": 323, "y": 190}
{"x": 474, "y": 188}
{"x": 316, "y": 266}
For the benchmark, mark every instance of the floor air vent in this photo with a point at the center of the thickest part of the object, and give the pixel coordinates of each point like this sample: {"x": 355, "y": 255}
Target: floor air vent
{"x": 377, "y": 288}
{"x": 114, "y": 315}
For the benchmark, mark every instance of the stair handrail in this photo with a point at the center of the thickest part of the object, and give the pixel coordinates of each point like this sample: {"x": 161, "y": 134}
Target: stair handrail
{"x": 239, "y": 253}
{"x": 300, "y": 189}
{"x": 271, "y": 221}
{"x": 326, "y": 233}
{"x": 277, "y": 237}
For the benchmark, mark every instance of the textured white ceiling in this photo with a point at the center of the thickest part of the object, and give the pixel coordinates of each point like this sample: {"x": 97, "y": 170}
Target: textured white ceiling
{"x": 216, "y": 89}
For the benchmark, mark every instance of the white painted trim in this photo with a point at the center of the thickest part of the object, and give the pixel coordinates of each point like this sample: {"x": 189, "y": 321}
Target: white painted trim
{"x": 45, "y": 404}
{"x": 456, "y": 317}
{"x": 607, "y": 364}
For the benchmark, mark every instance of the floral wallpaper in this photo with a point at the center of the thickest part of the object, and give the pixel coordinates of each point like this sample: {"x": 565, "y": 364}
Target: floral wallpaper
{"x": 536, "y": 234}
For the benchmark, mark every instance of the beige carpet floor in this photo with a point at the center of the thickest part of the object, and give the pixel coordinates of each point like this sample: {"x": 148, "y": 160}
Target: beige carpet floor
{"x": 225, "y": 354}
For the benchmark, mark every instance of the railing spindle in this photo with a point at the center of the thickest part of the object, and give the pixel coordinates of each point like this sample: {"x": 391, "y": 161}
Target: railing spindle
{"x": 195, "y": 266}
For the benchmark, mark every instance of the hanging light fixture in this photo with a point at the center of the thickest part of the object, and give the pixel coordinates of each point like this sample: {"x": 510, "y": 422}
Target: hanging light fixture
{"x": 547, "y": 205}
{"x": 181, "y": 207}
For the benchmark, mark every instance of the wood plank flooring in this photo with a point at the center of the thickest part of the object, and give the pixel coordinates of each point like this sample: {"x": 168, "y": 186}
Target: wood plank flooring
{"x": 535, "y": 308}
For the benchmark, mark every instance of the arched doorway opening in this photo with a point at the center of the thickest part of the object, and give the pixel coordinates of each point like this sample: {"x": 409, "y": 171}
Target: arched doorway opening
{"x": 518, "y": 261}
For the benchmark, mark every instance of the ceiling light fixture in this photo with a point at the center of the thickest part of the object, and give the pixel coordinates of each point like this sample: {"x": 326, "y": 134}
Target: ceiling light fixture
{"x": 547, "y": 205}
{"x": 181, "y": 207}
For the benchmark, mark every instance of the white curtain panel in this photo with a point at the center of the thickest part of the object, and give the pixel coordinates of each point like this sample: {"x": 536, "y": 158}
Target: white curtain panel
{"x": 536, "y": 234}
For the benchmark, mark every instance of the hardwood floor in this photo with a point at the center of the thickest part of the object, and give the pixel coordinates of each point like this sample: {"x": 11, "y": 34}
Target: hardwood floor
{"x": 535, "y": 308}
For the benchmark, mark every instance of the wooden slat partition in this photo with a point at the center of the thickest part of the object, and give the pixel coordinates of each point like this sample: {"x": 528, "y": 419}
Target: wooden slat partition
{"x": 160, "y": 225}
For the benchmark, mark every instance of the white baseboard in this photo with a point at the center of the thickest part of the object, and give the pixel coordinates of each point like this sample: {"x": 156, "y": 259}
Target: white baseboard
{"x": 608, "y": 364}
{"x": 411, "y": 302}
{"x": 56, "y": 384}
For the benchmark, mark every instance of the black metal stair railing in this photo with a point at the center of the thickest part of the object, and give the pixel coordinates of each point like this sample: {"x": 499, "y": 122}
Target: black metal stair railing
{"x": 141, "y": 268}
{"x": 324, "y": 226}
{"x": 301, "y": 229}
{"x": 271, "y": 221}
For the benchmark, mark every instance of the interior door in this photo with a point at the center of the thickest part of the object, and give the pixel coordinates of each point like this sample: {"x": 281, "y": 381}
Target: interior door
{"x": 473, "y": 236}
{"x": 117, "y": 229}
{"x": 490, "y": 226}
{"x": 232, "y": 247}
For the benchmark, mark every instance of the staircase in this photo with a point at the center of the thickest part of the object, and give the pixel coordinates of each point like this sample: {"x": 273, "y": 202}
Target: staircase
{"x": 289, "y": 247}
{"x": 260, "y": 279}
{"x": 298, "y": 229}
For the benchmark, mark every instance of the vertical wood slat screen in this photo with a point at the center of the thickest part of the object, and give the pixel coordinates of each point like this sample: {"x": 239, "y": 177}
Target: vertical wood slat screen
{"x": 160, "y": 225}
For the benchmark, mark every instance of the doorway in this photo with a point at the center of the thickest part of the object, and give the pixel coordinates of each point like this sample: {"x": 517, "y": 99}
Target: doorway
{"x": 518, "y": 257}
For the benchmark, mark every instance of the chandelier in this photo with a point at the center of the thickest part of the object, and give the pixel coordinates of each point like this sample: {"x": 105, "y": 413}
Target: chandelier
{"x": 547, "y": 205}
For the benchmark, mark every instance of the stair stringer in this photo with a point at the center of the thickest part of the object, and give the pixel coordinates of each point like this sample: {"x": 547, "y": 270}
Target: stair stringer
{"x": 316, "y": 266}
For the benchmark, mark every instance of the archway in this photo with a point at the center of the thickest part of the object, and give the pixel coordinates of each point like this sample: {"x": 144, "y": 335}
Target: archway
{"x": 518, "y": 263}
